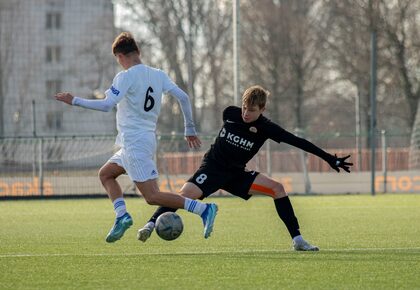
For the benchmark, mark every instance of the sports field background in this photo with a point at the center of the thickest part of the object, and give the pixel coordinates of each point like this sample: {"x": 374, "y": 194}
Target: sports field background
{"x": 366, "y": 243}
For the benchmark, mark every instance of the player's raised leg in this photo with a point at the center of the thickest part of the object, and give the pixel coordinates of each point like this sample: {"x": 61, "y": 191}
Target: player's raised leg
{"x": 267, "y": 186}
{"x": 153, "y": 196}
{"x": 108, "y": 174}
{"x": 189, "y": 190}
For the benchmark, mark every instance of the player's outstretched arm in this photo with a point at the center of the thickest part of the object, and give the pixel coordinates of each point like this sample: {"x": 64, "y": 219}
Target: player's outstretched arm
{"x": 340, "y": 162}
{"x": 104, "y": 105}
{"x": 335, "y": 162}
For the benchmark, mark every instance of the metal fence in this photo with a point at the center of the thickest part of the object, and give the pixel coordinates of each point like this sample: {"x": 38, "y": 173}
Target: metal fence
{"x": 68, "y": 165}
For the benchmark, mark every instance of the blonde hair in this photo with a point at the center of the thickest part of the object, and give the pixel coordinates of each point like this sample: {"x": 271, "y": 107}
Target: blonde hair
{"x": 255, "y": 96}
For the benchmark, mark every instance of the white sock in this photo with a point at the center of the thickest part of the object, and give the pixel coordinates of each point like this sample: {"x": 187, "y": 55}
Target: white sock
{"x": 194, "y": 206}
{"x": 119, "y": 207}
{"x": 150, "y": 225}
{"x": 298, "y": 239}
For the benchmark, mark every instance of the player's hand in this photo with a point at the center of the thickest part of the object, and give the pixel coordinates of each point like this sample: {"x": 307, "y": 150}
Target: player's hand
{"x": 340, "y": 162}
{"x": 193, "y": 141}
{"x": 65, "y": 97}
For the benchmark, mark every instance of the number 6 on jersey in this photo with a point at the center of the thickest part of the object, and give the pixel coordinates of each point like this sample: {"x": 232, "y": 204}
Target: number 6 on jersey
{"x": 148, "y": 107}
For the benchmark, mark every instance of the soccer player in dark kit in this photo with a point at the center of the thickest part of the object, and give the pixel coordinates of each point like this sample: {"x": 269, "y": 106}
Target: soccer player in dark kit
{"x": 243, "y": 133}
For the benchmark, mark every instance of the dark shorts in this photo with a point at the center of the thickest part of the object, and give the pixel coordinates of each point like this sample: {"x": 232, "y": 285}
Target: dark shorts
{"x": 211, "y": 177}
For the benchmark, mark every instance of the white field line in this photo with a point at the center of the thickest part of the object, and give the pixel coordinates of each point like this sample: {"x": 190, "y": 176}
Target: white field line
{"x": 346, "y": 250}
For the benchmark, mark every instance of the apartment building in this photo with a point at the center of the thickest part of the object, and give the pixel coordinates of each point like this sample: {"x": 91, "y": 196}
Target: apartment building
{"x": 47, "y": 46}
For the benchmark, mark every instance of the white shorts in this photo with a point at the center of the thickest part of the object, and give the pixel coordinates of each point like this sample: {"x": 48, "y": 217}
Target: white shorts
{"x": 137, "y": 158}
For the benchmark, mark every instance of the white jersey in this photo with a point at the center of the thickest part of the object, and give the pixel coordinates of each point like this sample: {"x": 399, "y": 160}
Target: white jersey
{"x": 138, "y": 95}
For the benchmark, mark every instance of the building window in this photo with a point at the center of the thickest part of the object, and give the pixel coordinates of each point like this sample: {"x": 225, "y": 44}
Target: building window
{"x": 53, "y": 87}
{"x": 54, "y": 120}
{"x": 53, "y": 54}
{"x": 53, "y": 20}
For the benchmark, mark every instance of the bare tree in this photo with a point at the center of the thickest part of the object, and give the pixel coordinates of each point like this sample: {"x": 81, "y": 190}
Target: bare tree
{"x": 97, "y": 58}
{"x": 283, "y": 52}
{"x": 263, "y": 51}
{"x": 216, "y": 75}
{"x": 190, "y": 39}
{"x": 348, "y": 42}
{"x": 400, "y": 22}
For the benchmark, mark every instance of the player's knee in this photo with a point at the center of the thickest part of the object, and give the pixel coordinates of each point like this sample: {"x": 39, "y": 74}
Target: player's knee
{"x": 279, "y": 190}
{"x": 151, "y": 199}
{"x": 104, "y": 176}
{"x": 191, "y": 194}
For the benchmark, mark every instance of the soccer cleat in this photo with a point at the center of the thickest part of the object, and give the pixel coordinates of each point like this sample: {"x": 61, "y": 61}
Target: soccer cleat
{"x": 303, "y": 245}
{"x": 144, "y": 233}
{"x": 208, "y": 217}
{"x": 120, "y": 226}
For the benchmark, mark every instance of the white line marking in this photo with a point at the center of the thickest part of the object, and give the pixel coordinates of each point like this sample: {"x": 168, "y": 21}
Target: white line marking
{"x": 21, "y": 255}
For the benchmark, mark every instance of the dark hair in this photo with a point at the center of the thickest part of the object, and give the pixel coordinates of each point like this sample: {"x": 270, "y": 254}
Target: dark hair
{"x": 124, "y": 43}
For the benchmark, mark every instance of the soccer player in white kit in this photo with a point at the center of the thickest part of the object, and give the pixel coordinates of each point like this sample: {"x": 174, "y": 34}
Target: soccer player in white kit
{"x": 137, "y": 93}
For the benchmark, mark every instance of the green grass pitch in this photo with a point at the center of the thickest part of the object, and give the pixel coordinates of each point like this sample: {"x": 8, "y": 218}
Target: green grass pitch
{"x": 366, "y": 243}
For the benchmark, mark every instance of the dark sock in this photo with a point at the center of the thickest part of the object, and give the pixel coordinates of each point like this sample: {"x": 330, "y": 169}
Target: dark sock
{"x": 285, "y": 211}
{"x": 160, "y": 211}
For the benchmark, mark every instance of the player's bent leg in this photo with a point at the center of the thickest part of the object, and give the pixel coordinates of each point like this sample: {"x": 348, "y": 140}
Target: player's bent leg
{"x": 267, "y": 186}
{"x": 191, "y": 192}
{"x": 108, "y": 174}
{"x": 264, "y": 185}
{"x": 153, "y": 196}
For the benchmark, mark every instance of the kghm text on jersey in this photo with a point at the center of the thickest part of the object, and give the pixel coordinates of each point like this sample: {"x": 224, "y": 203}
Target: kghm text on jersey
{"x": 236, "y": 140}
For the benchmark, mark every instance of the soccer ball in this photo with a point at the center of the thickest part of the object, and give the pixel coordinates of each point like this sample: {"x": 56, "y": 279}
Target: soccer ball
{"x": 169, "y": 226}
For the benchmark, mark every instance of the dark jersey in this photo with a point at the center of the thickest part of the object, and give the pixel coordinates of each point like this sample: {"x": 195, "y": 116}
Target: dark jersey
{"x": 237, "y": 141}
